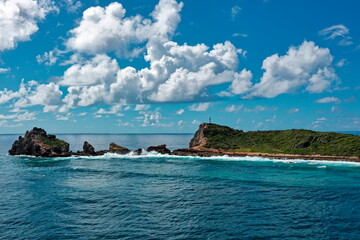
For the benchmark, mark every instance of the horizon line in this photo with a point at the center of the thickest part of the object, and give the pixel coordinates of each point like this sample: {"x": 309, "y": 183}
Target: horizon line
{"x": 88, "y": 133}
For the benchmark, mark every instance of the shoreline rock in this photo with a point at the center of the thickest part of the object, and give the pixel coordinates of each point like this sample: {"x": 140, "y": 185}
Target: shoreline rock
{"x": 114, "y": 148}
{"x": 89, "y": 150}
{"x": 40, "y": 144}
{"x": 160, "y": 149}
{"x": 138, "y": 151}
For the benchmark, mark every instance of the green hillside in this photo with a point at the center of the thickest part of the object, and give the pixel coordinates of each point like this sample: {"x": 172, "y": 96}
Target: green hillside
{"x": 294, "y": 141}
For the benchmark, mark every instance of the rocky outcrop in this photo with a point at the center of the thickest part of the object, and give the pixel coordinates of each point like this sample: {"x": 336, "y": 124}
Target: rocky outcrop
{"x": 199, "y": 138}
{"x": 160, "y": 149}
{"x": 114, "y": 148}
{"x": 88, "y": 149}
{"x": 138, "y": 152}
{"x": 38, "y": 143}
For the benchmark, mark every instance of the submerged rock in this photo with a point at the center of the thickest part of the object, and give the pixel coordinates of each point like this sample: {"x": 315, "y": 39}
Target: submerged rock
{"x": 38, "y": 143}
{"x": 160, "y": 149}
{"x": 114, "y": 148}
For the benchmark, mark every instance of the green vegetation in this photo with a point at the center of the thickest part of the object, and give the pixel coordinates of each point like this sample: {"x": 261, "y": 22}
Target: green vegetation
{"x": 54, "y": 142}
{"x": 294, "y": 141}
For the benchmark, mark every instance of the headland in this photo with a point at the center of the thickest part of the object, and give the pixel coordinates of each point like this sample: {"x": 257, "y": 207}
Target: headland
{"x": 215, "y": 140}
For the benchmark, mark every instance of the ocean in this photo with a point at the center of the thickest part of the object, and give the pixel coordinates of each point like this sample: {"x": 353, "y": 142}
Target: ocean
{"x": 154, "y": 196}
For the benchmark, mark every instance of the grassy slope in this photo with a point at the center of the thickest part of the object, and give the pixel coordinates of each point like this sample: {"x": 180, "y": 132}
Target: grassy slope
{"x": 54, "y": 142}
{"x": 294, "y": 141}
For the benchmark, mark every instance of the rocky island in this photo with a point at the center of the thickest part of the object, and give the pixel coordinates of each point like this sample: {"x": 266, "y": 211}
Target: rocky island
{"x": 40, "y": 144}
{"x": 215, "y": 140}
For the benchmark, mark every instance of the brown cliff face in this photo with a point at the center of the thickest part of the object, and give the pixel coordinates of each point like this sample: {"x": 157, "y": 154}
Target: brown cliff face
{"x": 38, "y": 143}
{"x": 199, "y": 140}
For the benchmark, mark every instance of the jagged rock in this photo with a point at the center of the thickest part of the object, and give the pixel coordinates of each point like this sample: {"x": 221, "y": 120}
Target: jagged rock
{"x": 88, "y": 149}
{"x": 138, "y": 152}
{"x": 38, "y": 143}
{"x": 114, "y": 148}
{"x": 199, "y": 139}
{"x": 160, "y": 149}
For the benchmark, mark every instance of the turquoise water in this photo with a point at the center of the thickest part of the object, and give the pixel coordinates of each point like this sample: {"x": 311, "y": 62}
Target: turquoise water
{"x": 162, "y": 197}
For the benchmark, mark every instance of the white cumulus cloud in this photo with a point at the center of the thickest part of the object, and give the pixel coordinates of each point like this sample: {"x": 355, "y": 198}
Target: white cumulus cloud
{"x": 233, "y": 108}
{"x": 33, "y": 93}
{"x": 19, "y": 116}
{"x": 4, "y": 70}
{"x": 195, "y": 122}
{"x": 293, "y": 110}
{"x": 328, "y": 100}
{"x": 142, "y": 107}
{"x": 99, "y": 69}
{"x": 200, "y": 107}
{"x": 242, "y": 82}
{"x": 19, "y": 18}
{"x": 180, "y": 111}
{"x": 107, "y": 29}
{"x": 176, "y": 73}
{"x": 48, "y": 58}
{"x": 307, "y": 66}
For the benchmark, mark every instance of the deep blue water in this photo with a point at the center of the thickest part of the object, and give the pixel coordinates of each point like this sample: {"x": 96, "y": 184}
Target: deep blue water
{"x": 162, "y": 197}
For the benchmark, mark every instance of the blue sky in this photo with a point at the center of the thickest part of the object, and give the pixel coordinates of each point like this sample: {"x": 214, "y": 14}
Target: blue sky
{"x": 165, "y": 66}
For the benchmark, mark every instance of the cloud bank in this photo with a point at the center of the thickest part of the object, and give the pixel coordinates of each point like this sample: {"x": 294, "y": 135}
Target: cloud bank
{"x": 174, "y": 72}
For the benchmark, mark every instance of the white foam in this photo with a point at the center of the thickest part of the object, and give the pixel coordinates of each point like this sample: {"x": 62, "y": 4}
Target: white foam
{"x": 153, "y": 154}
{"x": 245, "y": 158}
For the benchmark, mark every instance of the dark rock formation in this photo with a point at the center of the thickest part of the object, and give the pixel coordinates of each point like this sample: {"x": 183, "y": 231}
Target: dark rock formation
{"x": 138, "y": 152}
{"x": 38, "y": 143}
{"x": 114, "y": 148}
{"x": 199, "y": 139}
{"x": 88, "y": 149}
{"x": 160, "y": 149}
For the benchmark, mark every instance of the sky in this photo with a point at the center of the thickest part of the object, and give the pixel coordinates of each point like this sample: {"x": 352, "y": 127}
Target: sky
{"x": 165, "y": 66}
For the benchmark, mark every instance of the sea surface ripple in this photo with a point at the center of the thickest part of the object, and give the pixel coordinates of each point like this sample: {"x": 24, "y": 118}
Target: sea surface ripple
{"x": 154, "y": 196}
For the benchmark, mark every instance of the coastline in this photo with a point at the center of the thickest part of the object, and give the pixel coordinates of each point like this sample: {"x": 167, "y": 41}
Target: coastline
{"x": 208, "y": 152}
{"x": 209, "y": 141}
